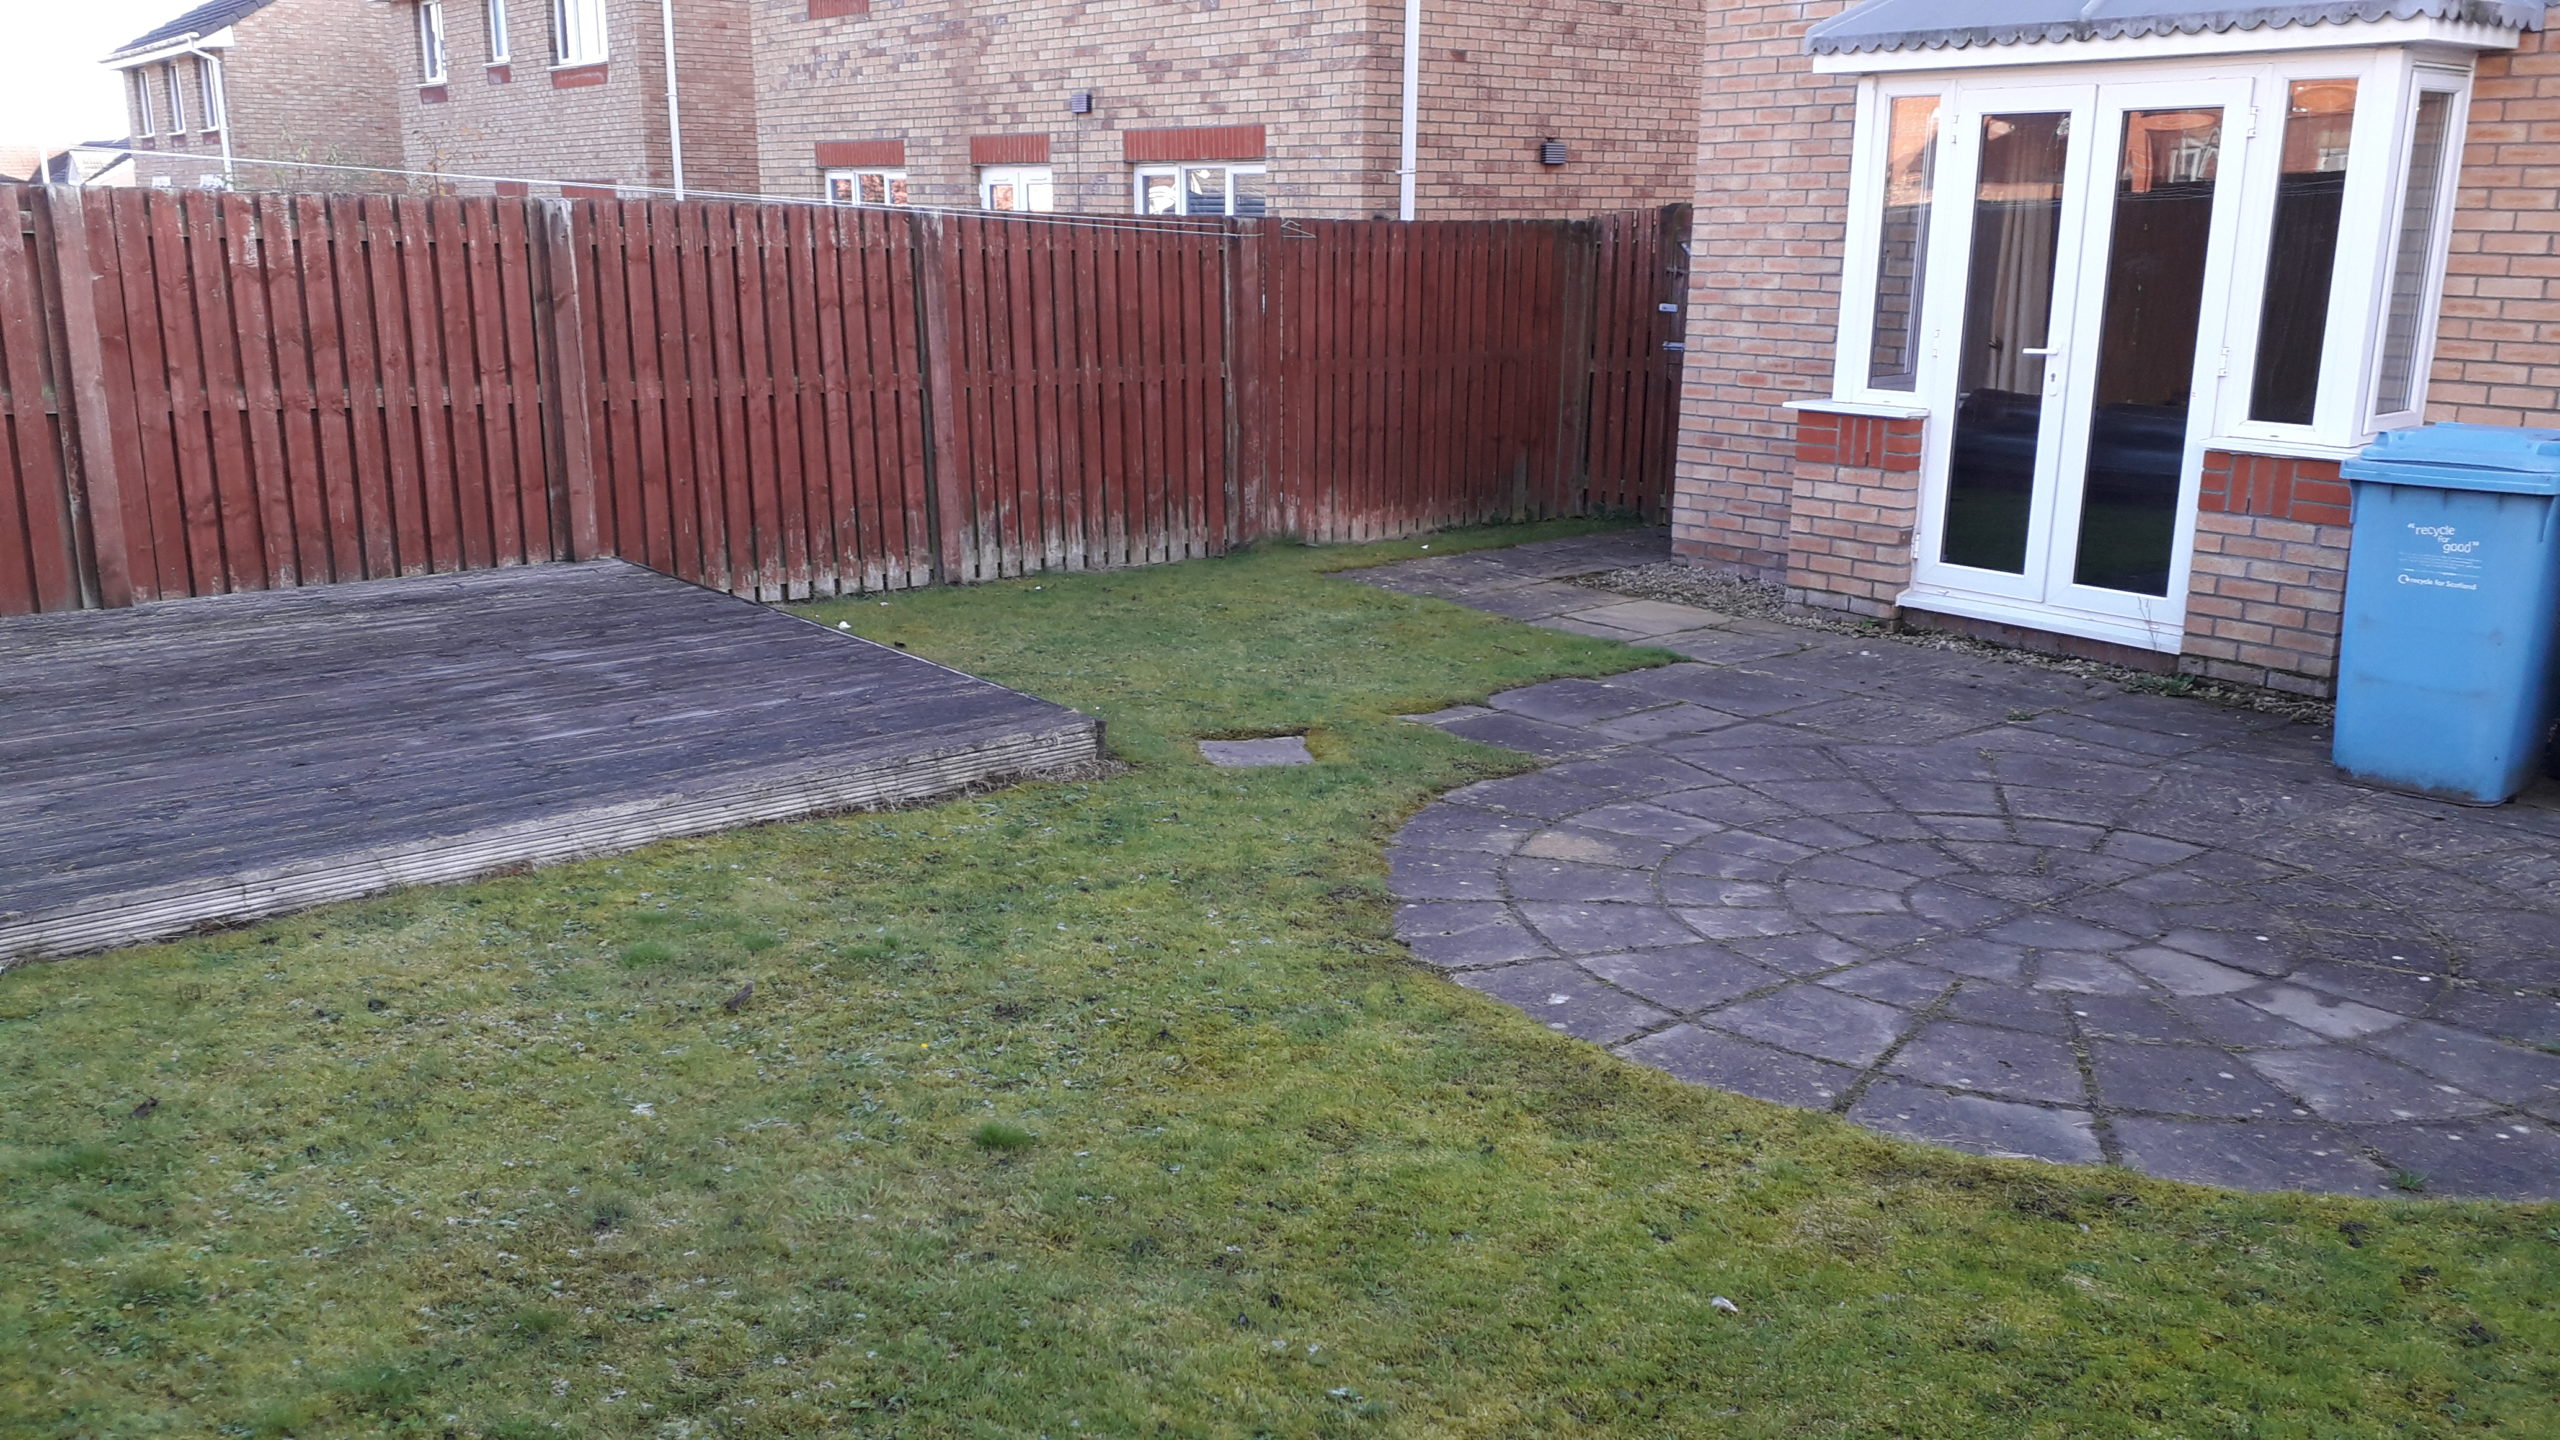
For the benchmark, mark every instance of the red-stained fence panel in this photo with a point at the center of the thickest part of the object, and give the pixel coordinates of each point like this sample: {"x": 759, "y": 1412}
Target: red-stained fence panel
{"x": 789, "y": 402}
{"x": 41, "y": 567}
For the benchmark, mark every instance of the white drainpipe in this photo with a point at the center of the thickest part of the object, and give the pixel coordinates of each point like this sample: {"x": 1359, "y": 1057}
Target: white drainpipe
{"x": 221, "y": 87}
{"x": 675, "y": 113}
{"x": 1412, "y": 108}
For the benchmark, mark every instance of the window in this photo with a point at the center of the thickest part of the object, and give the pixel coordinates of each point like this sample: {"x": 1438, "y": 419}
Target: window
{"x": 577, "y": 32}
{"x": 2330, "y": 241}
{"x": 2415, "y": 251}
{"x": 1203, "y": 190}
{"x": 2302, "y": 251}
{"x": 177, "y": 99}
{"x": 431, "y": 42}
{"x": 145, "y": 123}
{"x": 867, "y": 187}
{"x": 209, "y": 72}
{"x": 1017, "y": 187}
{"x": 1902, "y": 257}
{"x": 500, "y": 52}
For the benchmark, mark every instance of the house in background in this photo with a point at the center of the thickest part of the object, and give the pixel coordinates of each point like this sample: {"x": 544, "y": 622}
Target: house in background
{"x": 99, "y": 162}
{"x": 2057, "y": 328}
{"x": 233, "y": 83}
{"x": 576, "y": 90}
{"x": 1125, "y": 106}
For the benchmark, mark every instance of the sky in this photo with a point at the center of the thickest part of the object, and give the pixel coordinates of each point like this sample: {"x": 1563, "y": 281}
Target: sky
{"x": 53, "y": 91}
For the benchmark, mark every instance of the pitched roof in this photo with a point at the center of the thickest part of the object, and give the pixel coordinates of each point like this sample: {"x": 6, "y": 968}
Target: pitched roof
{"x": 202, "y": 20}
{"x": 1948, "y": 24}
{"x": 21, "y": 162}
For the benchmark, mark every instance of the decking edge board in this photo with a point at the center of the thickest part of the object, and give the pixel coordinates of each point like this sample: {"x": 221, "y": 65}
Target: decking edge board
{"x": 813, "y": 786}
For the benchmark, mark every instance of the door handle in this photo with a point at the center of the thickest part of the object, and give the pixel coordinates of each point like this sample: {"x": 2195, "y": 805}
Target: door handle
{"x": 2043, "y": 350}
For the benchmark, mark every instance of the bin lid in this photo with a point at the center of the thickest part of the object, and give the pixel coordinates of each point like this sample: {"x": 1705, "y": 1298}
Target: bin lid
{"x": 2507, "y": 458}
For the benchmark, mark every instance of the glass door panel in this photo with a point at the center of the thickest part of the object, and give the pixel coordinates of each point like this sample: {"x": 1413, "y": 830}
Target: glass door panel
{"x": 1999, "y": 417}
{"x": 2160, "y": 237}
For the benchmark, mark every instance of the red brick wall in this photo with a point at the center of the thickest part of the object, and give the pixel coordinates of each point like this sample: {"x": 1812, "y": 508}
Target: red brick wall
{"x": 2498, "y": 348}
{"x": 1849, "y": 522}
{"x": 1772, "y": 196}
{"x": 1615, "y": 81}
{"x": 609, "y": 122}
{"x": 2270, "y": 572}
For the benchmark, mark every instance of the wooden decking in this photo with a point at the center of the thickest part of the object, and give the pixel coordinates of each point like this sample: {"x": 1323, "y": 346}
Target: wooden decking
{"x": 205, "y": 762}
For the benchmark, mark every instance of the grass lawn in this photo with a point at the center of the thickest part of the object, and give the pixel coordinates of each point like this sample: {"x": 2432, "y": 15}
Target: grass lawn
{"x": 1104, "y": 1109}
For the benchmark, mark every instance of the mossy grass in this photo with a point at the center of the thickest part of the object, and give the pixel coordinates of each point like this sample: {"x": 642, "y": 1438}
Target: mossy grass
{"x": 1284, "y": 1181}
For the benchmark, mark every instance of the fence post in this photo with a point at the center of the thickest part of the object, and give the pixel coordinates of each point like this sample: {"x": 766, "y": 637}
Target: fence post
{"x": 1248, "y": 419}
{"x": 99, "y": 479}
{"x": 1577, "y": 301}
{"x": 946, "y": 490}
{"x": 568, "y": 404}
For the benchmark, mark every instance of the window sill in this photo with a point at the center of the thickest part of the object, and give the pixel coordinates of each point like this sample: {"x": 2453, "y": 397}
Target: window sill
{"x": 574, "y": 77}
{"x": 501, "y": 73}
{"x": 2282, "y": 449}
{"x": 1861, "y": 407}
{"x": 433, "y": 95}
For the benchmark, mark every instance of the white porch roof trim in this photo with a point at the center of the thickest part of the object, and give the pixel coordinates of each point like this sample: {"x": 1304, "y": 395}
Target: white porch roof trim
{"x": 1882, "y": 26}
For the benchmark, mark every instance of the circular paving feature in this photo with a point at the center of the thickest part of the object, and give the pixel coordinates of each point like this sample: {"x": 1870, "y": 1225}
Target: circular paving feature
{"x": 2014, "y": 913}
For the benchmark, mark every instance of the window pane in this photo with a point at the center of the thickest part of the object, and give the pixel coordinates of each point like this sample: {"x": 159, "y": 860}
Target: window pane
{"x": 898, "y": 190}
{"x": 2147, "y": 349}
{"x": 2017, "y": 223}
{"x": 2302, "y": 253}
{"x": 1000, "y": 196}
{"x": 1893, "y": 359}
{"x": 875, "y": 189}
{"x": 2417, "y": 255}
{"x": 840, "y": 189}
{"x": 1252, "y": 192}
{"x": 1162, "y": 198}
{"x": 1204, "y": 191}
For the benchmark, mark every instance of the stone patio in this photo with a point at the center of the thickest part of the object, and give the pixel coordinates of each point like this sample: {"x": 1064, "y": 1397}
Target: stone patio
{"x": 1993, "y": 906}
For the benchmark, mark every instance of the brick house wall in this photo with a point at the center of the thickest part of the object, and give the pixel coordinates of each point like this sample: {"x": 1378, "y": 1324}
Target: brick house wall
{"x": 2269, "y": 588}
{"x": 2498, "y": 344}
{"x": 532, "y": 119}
{"x": 1617, "y": 83}
{"x": 304, "y": 80}
{"x": 1784, "y": 495}
{"x": 920, "y": 80}
{"x": 1764, "y": 281}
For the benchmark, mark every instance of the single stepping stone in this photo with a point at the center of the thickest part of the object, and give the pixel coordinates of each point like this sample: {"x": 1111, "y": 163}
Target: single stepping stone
{"x": 1257, "y": 754}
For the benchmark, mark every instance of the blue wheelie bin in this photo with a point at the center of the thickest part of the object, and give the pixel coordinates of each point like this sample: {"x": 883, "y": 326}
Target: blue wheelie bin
{"x": 2446, "y": 669}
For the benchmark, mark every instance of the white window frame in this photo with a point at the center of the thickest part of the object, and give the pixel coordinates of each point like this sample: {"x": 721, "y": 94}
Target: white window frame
{"x": 432, "y": 66}
{"x": 2388, "y": 82}
{"x": 578, "y": 33}
{"x": 854, "y": 175}
{"x": 147, "y": 117}
{"x": 2424, "y": 80}
{"x": 1180, "y": 175}
{"x": 501, "y": 48}
{"x": 990, "y": 176}
{"x": 209, "y": 85}
{"x": 177, "y": 100}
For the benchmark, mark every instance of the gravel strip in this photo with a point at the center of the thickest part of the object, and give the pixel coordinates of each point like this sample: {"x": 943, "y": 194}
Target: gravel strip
{"x": 1685, "y": 584}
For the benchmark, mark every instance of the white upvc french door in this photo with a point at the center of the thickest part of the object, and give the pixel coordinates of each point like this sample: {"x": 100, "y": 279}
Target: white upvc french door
{"x": 2081, "y": 265}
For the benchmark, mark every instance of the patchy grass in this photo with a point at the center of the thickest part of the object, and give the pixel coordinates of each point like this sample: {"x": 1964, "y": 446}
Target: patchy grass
{"x": 500, "y": 1160}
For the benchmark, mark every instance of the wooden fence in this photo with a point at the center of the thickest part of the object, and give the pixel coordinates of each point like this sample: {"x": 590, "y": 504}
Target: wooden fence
{"x": 202, "y": 393}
